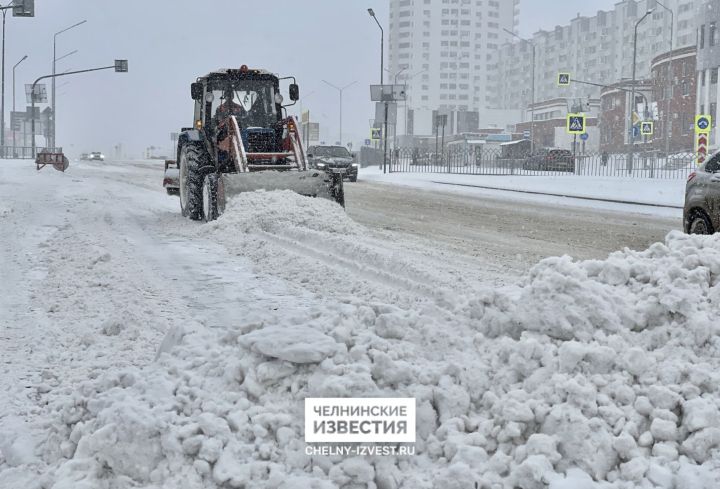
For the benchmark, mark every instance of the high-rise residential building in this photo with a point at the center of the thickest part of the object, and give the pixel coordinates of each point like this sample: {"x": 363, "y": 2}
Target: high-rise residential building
{"x": 597, "y": 49}
{"x": 446, "y": 52}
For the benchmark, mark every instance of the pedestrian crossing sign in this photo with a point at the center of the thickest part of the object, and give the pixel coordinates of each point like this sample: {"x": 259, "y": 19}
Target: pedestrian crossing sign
{"x": 376, "y": 133}
{"x": 575, "y": 123}
{"x": 646, "y": 128}
{"x": 563, "y": 79}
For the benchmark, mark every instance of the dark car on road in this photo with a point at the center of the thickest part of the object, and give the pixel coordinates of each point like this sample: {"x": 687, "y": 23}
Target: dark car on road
{"x": 701, "y": 214}
{"x": 333, "y": 159}
{"x": 550, "y": 159}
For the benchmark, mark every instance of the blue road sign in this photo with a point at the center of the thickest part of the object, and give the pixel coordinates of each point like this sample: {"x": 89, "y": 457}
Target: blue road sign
{"x": 584, "y": 136}
{"x": 702, "y": 123}
{"x": 526, "y": 134}
{"x": 368, "y": 142}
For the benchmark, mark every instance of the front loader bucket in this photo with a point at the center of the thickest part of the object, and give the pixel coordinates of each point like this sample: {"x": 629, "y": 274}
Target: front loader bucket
{"x": 311, "y": 183}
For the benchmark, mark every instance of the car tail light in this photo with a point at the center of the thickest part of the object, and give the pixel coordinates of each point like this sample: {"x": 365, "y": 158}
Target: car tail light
{"x": 691, "y": 176}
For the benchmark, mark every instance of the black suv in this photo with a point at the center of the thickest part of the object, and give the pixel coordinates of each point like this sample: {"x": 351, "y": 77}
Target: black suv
{"x": 333, "y": 159}
{"x": 701, "y": 214}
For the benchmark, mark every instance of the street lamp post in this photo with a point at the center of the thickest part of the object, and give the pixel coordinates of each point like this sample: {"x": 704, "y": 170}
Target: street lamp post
{"x": 631, "y": 136}
{"x": 382, "y": 69}
{"x": 55, "y": 59}
{"x": 382, "y": 44}
{"x": 668, "y": 124}
{"x": 532, "y": 84}
{"x": 25, "y": 10}
{"x": 340, "y": 90}
{"x": 13, "y": 129}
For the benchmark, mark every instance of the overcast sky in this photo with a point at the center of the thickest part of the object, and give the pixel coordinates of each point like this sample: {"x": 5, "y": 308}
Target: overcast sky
{"x": 170, "y": 42}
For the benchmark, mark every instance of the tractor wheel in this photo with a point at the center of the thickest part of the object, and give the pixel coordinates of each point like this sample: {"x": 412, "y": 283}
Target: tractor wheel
{"x": 210, "y": 197}
{"x": 192, "y": 159}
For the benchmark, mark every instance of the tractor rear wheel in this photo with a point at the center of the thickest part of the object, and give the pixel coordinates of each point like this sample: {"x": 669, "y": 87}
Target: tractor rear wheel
{"x": 192, "y": 159}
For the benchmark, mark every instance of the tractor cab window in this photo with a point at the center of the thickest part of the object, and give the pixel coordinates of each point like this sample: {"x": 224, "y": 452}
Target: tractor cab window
{"x": 251, "y": 102}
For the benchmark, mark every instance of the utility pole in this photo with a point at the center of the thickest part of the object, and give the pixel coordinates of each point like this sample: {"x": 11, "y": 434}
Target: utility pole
{"x": 631, "y": 136}
{"x": 668, "y": 118}
{"x": 13, "y": 129}
{"x": 532, "y": 85}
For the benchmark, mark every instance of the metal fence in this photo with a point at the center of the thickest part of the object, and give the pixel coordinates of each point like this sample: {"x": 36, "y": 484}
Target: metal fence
{"x": 483, "y": 161}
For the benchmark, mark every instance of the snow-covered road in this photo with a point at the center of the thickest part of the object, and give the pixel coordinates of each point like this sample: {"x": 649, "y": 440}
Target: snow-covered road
{"x": 143, "y": 350}
{"x": 512, "y": 234}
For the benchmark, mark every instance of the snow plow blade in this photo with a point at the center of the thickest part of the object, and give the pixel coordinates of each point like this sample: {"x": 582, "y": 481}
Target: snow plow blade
{"x": 311, "y": 183}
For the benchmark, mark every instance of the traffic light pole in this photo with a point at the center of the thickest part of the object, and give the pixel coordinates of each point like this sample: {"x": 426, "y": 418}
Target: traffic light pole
{"x": 32, "y": 95}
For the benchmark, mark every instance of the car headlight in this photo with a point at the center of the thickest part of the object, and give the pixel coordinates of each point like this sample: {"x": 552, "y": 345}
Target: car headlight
{"x": 320, "y": 165}
{"x": 355, "y": 165}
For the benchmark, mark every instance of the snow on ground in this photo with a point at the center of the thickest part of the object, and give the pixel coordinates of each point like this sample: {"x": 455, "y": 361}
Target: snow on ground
{"x": 591, "y": 374}
{"x": 655, "y": 191}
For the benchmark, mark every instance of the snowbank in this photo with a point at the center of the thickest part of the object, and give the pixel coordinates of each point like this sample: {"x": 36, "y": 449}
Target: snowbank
{"x": 594, "y": 374}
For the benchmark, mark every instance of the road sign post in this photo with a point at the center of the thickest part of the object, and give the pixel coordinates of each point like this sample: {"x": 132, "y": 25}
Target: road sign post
{"x": 386, "y": 94}
{"x": 703, "y": 125}
{"x": 646, "y": 128}
{"x": 575, "y": 124}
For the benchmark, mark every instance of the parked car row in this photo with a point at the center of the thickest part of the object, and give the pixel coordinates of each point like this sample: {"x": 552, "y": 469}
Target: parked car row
{"x": 550, "y": 159}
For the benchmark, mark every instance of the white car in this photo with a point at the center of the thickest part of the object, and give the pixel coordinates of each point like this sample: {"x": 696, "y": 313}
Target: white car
{"x": 96, "y": 156}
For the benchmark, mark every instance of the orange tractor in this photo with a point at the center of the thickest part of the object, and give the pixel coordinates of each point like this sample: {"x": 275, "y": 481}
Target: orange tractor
{"x": 242, "y": 140}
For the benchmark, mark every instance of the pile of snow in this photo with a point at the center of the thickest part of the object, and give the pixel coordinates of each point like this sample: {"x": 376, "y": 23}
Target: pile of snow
{"x": 588, "y": 375}
{"x": 271, "y": 211}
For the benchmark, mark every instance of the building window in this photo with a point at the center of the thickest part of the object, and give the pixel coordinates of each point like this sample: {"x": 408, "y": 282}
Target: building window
{"x": 713, "y": 76}
{"x": 713, "y": 106}
{"x": 711, "y": 34}
{"x": 701, "y": 35}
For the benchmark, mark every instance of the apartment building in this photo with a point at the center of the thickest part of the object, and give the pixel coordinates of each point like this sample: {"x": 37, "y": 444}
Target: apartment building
{"x": 597, "y": 49}
{"x": 446, "y": 52}
{"x": 708, "y": 64}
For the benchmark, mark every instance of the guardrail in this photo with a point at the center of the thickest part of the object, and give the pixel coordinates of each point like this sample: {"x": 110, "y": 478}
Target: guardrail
{"x": 481, "y": 161}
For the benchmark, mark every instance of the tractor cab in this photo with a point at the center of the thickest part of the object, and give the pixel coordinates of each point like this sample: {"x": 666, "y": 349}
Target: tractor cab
{"x": 242, "y": 140}
{"x": 253, "y": 98}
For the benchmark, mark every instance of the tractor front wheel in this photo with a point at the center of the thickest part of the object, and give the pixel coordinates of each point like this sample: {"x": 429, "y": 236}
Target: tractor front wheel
{"x": 191, "y": 181}
{"x": 210, "y": 197}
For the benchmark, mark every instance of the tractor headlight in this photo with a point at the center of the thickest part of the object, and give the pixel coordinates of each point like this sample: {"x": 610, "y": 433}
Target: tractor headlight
{"x": 355, "y": 165}
{"x": 278, "y": 98}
